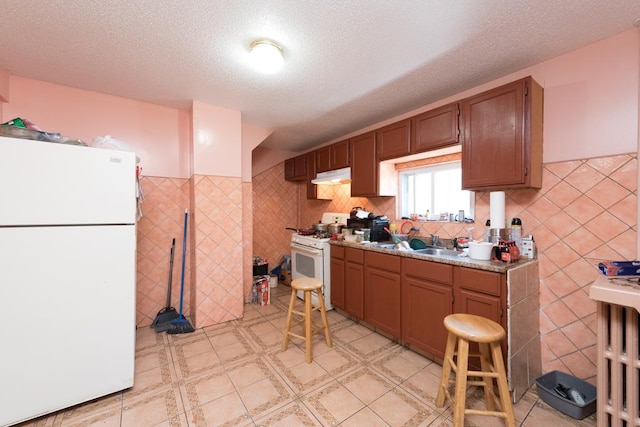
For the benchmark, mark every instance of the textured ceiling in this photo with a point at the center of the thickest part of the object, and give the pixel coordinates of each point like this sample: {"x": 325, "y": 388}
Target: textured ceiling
{"x": 348, "y": 63}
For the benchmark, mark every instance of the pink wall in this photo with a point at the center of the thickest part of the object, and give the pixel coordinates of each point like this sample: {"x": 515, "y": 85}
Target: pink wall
{"x": 217, "y": 140}
{"x": 159, "y": 135}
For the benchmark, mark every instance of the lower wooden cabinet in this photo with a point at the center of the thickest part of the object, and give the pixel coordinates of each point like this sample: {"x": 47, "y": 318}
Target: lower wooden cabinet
{"x": 337, "y": 265}
{"x": 354, "y": 282}
{"x": 382, "y": 292}
{"x": 409, "y": 298}
{"x": 483, "y": 293}
{"x": 427, "y": 298}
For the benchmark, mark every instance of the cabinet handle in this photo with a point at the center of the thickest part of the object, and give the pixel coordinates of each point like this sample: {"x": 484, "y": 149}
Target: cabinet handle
{"x": 501, "y": 312}
{"x": 526, "y": 171}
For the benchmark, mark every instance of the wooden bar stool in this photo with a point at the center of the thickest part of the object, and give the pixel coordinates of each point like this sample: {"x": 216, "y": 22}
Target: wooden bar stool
{"x": 307, "y": 285}
{"x": 465, "y": 328}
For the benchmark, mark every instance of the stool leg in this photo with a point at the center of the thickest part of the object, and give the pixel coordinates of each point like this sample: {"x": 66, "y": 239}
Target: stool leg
{"x": 503, "y": 388}
{"x": 325, "y": 322}
{"x": 462, "y": 365}
{"x": 292, "y": 302}
{"x": 446, "y": 369}
{"x": 307, "y": 325}
{"x": 485, "y": 363}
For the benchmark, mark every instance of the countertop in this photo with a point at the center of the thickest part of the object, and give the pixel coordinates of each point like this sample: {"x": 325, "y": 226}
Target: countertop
{"x": 496, "y": 266}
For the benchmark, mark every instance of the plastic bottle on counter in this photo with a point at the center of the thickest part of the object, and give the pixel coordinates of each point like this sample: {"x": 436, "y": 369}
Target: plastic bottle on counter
{"x": 516, "y": 232}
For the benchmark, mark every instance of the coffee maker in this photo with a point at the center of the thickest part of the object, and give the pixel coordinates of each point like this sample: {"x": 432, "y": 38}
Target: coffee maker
{"x": 376, "y": 225}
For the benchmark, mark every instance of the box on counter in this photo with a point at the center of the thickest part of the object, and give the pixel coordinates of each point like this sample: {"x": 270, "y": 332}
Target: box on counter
{"x": 528, "y": 247}
{"x": 619, "y": 268}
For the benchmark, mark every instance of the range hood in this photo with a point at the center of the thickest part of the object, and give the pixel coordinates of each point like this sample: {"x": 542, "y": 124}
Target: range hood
{"x": 334, "y": 177}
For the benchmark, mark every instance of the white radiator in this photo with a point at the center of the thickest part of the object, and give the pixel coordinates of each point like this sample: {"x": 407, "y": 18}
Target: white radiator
{"x": 618, "y": 352}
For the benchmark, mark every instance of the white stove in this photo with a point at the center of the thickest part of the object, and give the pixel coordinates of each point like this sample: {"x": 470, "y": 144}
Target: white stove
{"x": 310, "y": 257}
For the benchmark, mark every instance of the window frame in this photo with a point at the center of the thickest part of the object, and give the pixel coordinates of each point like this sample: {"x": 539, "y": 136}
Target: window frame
{"x": 402, "y": 188}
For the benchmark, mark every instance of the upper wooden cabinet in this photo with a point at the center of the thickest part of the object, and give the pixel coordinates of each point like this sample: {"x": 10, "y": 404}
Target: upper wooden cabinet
{"x": 334, "y": 156}
{"x": 435, "y": 129}
{"x": 364, "y": 165}
{"x": 295, "y": 169}
{"x": 394, "y": 140}
{"x": 502, "y": 137}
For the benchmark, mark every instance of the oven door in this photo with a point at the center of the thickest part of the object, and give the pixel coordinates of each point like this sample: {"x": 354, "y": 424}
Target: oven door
{"x": 306, "y": 262}
{"x": 309, "y": 262}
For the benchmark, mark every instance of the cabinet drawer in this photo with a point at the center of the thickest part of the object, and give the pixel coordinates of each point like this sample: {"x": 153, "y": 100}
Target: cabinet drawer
{"x": 486, "y": 282}
{"x": 354, "y": 255}
{"x": 336, "y": 251}
{"x": 383, "y": 261}
{"x": 432, "y": 271}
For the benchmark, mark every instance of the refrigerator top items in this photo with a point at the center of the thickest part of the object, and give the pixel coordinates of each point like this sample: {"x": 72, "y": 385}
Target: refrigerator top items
{"x": 98, "y": 186}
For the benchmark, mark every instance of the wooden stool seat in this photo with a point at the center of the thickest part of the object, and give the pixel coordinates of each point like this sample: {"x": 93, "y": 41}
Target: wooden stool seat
{"x": 463, "y": 329}
{"x": 307, "y": 285}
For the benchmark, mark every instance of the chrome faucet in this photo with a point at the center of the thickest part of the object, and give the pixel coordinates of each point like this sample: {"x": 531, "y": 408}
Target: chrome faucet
{"x": 435, "y": 239}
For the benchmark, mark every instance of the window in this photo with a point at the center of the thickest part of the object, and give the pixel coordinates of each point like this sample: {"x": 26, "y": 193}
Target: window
{"x": 435, "y": 189}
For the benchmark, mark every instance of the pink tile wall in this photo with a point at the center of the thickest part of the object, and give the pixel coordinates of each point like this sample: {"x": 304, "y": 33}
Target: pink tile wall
{"x": 218, "y": 273}
{"x": 585, "y": 213}
{"x": 274, "y": 208}
{"x": 217, "y": 266}
{"x": 165, "y": 200}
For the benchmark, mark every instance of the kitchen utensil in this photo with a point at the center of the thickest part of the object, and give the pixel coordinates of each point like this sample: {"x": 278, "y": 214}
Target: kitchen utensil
{"x": 406, "y": 227}
{"x": 163, "y": 319}
{"x": 302, "y": 231}
{"x": 480, "y": 250}
{"x": 321, "y": 227}
{"x": 336, "y": 228}
{"x": 181, "y": 325}
{"x": 417, "y": 244}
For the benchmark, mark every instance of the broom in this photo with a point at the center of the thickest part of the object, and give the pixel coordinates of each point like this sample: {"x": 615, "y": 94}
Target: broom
{"x": 163, "y": 319}
{"x": 181, "y": 325}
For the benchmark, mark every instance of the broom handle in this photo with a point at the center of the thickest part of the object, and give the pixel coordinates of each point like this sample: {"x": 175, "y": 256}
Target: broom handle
{"x": 173, "y": 249}
{"x": 184, "y": 253}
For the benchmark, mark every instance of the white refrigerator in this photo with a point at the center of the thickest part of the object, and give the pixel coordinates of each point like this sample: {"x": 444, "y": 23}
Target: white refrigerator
{"x": 67, "y": 275}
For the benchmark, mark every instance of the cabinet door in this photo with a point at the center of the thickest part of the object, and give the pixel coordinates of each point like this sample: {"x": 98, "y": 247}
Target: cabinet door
{"x": 487, "y": 306}
{"x": 340, "y": 155}
{"x": 296, "y": 169}
{"x": 289, "y": 170}
{"x": 394, "y": 141}
{"x": 382, "y": 300}
{"x": 436, "y": 128}
{"x": 337, "y": 282}
{"x": 354, "y": 289}
{"x": 323, "y": 159}
{"x": 364, "y": 167}
{"x": 425, "y": 304}
{"x": 497, "y": 146}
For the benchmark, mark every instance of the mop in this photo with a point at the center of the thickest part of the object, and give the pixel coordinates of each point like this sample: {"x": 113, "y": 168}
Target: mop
{"x": 181, "y": 325}
{"x": 163, "y": 319}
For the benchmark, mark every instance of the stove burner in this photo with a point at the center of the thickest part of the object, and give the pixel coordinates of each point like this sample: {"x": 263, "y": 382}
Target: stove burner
{"x": 322, "y": 235}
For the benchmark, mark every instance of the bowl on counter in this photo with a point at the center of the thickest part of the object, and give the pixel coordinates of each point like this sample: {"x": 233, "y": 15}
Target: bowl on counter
{"x": 480, "y": 251}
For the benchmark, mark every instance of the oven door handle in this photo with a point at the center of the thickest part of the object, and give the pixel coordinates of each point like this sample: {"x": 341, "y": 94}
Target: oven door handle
{"x": 306, "y": 251}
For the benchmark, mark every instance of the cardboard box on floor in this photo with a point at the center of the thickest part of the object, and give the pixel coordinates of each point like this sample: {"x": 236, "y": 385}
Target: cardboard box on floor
{"x": 286, "y": 277}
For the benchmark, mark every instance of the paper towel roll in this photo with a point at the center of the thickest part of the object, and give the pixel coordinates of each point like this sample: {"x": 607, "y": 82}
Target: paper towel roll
{"x": 496, "y": 209}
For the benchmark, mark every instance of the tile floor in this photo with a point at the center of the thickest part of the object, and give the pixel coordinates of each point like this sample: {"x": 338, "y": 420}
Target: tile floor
{"x": 234, "y": 374}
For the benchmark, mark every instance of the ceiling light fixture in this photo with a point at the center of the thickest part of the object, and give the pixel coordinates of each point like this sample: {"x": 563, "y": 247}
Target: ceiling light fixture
{"x": 266, "y": 56}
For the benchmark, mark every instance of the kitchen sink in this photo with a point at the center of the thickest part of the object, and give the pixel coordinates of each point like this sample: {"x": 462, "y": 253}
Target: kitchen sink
{"x": 436, "y": 251}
